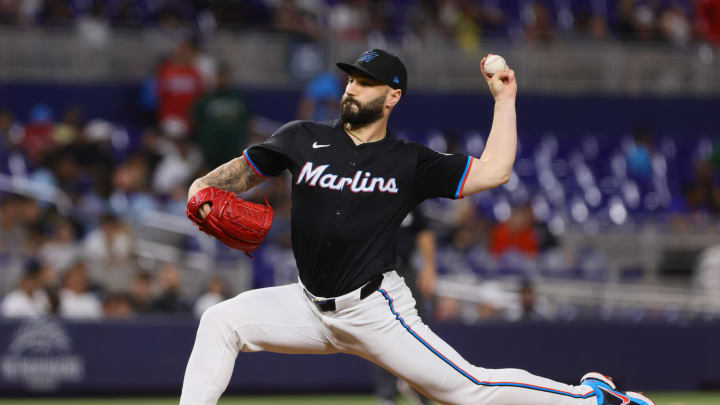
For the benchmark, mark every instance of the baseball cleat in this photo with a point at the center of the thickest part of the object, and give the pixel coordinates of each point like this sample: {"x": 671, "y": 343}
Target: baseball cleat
{"x": 607, "y": 394}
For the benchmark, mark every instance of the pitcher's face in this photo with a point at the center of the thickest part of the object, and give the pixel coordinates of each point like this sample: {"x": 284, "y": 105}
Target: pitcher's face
{"x": 364, "y": 101}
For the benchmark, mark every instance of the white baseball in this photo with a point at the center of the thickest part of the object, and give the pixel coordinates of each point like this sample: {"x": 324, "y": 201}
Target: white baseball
{"x": 494, "y": 64}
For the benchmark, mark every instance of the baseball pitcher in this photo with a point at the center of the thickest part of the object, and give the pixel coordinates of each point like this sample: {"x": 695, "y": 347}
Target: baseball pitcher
{"x": 353, "y": 183}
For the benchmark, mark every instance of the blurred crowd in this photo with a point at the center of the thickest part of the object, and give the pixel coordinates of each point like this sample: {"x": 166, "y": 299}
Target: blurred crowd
{"x": 406, "y": 21}
{"x": 83, "y": 185}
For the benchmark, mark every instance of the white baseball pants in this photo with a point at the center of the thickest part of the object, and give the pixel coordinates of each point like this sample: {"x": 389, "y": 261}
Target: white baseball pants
{"x": 383, "y": 328}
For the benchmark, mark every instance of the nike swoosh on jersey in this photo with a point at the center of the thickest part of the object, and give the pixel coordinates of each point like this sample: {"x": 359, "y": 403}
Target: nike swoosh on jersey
{"x": 315, "y": 145}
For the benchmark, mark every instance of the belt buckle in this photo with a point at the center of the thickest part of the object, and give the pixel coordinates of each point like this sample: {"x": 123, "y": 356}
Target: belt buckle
{"x": 325, "y": 305}
{"x": 320, "y": 303}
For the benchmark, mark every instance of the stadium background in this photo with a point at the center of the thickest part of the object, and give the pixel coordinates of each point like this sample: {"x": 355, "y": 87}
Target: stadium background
{"x": 601, "y": 253}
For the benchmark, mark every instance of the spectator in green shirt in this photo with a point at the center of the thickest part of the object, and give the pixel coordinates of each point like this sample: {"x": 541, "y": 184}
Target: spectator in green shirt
{"x": 222, "y": 121}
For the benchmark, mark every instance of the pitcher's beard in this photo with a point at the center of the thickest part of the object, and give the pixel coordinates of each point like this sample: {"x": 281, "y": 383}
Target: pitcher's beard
{"x": 363, "y": 115}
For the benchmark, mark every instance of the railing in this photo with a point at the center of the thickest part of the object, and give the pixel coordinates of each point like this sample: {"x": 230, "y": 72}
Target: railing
{"x": 645, "y": 299}
{"x": 274, "y": 60}
{"x": 160, "y": 237}
{"x": 39, "y": 191}
{"x": 641, "y": 248}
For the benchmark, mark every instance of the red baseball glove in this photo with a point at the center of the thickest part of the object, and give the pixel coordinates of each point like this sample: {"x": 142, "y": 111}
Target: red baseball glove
{"x": 233, "y": 221}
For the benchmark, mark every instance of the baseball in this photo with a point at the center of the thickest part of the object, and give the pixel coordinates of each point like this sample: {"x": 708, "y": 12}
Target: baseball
{"x": 494, "y": 64}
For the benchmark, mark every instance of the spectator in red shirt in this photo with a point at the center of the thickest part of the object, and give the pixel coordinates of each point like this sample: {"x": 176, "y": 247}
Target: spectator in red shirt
{"x": 708, "y": 20}
{"x": 38, "y": 141}
{"x": 517, "y": 233}
{"x": 179, "y": 84}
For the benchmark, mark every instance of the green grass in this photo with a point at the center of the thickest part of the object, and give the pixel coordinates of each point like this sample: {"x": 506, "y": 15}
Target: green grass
{"x": 660, "y": 398}
{"x": 685, "y": 398}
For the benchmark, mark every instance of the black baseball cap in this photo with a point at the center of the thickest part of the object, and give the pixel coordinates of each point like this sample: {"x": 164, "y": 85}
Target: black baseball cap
{"x": 380, "y": 65}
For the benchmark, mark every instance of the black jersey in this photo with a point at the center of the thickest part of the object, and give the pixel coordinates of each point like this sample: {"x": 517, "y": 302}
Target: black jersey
{"x": 407, "y": 234}
{"x": 348, "y": 200}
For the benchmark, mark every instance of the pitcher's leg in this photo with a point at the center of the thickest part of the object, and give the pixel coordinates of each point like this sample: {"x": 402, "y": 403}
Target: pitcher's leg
{"x": 276, "y": 319}
{"x": 401, "y": 343}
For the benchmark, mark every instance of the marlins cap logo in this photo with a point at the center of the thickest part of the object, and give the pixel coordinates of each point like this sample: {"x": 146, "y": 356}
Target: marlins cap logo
{"x": 368, "y": 56}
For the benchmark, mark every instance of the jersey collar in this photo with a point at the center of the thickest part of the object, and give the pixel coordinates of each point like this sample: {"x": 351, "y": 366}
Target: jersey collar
{"x": 389, "y": 136}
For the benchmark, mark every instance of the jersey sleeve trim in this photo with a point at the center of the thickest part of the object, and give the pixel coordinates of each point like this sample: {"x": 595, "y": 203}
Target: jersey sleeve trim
{"x": 247, "y": 157}
{"x": 463, "y": 179}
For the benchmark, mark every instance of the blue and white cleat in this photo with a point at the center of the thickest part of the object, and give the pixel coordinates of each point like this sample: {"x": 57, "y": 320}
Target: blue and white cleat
{"x": 607, "y": 394}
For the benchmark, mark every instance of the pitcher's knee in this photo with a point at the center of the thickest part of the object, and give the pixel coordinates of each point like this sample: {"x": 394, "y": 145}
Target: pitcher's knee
{"x": 227, "y": 316}
{"x": 216, "y": 317}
